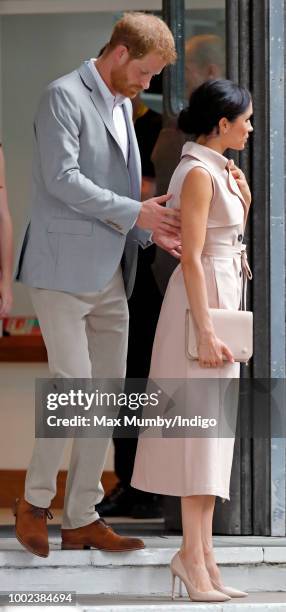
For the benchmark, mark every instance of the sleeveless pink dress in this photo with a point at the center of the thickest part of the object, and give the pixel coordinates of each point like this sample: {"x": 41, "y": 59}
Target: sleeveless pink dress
{"x": 185, "y": 466}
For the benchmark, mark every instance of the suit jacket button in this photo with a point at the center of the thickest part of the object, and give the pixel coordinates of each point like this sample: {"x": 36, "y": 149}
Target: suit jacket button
{"x": 239, "y": 237}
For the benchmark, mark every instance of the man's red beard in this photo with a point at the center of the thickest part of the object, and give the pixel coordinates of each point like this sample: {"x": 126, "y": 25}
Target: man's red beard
{"x": 119, "y": 83}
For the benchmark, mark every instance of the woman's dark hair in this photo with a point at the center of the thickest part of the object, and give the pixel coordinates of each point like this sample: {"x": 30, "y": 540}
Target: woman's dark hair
{"x": 209, "y": 103}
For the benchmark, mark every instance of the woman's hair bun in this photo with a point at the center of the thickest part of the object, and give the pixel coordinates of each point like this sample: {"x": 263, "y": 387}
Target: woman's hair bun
{"x": 209, "y": 103}
{"x": 185, "y": 121}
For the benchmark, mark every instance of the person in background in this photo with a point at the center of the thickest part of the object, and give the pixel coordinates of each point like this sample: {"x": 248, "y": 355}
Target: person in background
{"x": 124, "y": 500}
{"x": 6, "y": 245}
{"x": 147, "y": 124}
{"x": 204, "y": 60}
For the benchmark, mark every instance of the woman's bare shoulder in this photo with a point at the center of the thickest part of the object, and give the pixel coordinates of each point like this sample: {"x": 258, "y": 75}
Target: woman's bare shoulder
{"x": 199, "y": 173}
{"x": 199, "y": 179}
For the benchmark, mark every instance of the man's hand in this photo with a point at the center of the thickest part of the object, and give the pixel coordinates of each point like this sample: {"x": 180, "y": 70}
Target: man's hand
{"x": 169, "y": 242}
{"x": 241, "y": 181}
{"x": 5, "y": 298}
{"x": 155, "y": 217}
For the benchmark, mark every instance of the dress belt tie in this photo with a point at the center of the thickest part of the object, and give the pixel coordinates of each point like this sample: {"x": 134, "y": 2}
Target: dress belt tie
{"x": 246, "y": 275}
{"x": 229, "y": 252}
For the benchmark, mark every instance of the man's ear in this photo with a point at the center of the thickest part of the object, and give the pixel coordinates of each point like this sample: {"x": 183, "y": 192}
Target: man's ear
{"x": 223, "y": 125}
{"x": 121, "y": 54}
{"x": 214, "y": 71}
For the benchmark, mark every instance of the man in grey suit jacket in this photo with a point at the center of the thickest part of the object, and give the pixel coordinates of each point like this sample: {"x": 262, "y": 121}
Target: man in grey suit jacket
{"x": 79, "y": 257}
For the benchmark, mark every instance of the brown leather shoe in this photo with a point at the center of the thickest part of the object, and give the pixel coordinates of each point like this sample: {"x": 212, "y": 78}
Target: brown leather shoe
{"x": 98, "y": 535}
{"x": 31, "y": 527}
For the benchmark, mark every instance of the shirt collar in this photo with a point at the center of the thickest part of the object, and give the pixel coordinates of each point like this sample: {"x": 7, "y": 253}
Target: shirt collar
{"x": 108, "y": 96}
{"x": 205, "y": 154}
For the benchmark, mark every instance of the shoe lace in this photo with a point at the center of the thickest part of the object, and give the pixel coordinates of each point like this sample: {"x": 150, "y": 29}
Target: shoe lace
{"x": 41, "y": 512}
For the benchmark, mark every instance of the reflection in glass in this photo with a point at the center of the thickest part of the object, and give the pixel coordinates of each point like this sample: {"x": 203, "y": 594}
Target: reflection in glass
{"x": 205, "y": 43}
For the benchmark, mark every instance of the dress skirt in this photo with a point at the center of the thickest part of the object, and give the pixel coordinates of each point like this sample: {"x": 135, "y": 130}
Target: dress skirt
{"x": 199, "y": 465}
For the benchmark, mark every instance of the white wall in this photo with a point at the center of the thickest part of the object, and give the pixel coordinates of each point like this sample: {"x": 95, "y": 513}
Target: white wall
{"x": 17, "y": 413}
{"x": 17, "y": 416}
{"x": 59, "y": 6}
{"x": 79, "y": 6}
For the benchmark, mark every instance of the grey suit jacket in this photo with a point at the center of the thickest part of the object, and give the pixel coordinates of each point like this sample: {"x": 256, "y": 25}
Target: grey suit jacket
{"x": 85, "y": 200}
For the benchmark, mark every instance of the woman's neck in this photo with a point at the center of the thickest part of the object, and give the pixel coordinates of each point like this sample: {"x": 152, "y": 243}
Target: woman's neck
{"x": 211, "y": 143}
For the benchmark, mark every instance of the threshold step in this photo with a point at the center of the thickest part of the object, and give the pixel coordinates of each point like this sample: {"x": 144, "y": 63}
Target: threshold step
{"x": 258, "y": 602}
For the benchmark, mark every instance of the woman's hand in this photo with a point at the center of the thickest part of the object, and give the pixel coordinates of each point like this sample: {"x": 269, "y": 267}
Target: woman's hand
{"x": 211, "y": 352}
{"x": 6, "y": 298}
{"x": 241, "y": 181}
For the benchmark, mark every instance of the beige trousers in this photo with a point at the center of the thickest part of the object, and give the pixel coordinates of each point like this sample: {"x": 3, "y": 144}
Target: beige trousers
{"x": 86, "y": 336}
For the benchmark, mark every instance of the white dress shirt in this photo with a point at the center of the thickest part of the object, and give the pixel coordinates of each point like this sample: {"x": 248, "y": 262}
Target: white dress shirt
{"x": 114, "y": 105}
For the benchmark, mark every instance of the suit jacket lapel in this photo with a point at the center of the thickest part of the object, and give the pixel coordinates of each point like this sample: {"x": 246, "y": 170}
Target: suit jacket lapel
{"x": 134, "y": 160}
{"x": 98, "y": 100}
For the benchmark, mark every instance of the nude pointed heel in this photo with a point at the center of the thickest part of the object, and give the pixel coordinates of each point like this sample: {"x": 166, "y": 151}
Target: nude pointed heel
{"x": 229, "y": 590}
{"x": 173, "y": 586}
{"x": 174, "y": 576}
{"x": 178, "y": 570}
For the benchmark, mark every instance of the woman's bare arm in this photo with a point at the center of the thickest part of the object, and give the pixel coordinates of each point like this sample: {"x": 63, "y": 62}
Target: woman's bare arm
{"x": 6, "y": 245}
{"x": 196, "y": 197}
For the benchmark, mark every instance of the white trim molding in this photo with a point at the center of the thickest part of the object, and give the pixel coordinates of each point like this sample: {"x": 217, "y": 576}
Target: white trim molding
{"x": 30, "y": 7}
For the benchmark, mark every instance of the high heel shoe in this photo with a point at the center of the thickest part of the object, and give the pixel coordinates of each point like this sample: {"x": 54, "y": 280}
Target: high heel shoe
{"x": 228, "y": 590}
{"x": 178, "y": 571}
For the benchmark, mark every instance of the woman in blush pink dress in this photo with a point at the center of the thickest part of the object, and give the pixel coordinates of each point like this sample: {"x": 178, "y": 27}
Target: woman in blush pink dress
{"x": 214, "y": 199}
{"x": 6, "y": 246}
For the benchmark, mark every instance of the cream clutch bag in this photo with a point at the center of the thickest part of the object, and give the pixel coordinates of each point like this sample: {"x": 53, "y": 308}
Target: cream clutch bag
{"x": 233, "y": 327}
